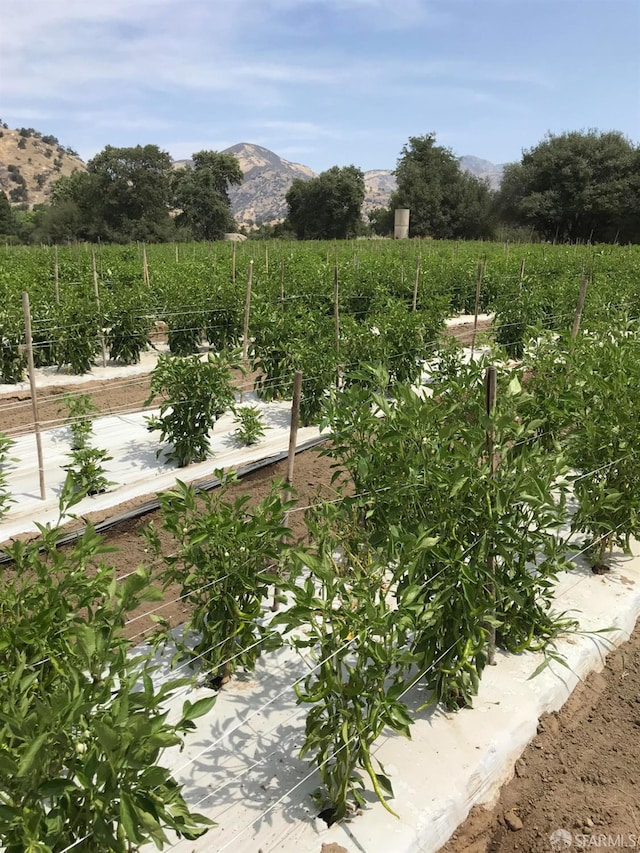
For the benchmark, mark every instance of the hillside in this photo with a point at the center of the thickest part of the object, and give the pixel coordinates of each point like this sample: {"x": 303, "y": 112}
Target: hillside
{"x": 30, "y": 165}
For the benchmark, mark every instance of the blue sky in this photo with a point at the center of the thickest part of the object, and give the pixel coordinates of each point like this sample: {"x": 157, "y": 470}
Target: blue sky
{"x": 321, "y": 82}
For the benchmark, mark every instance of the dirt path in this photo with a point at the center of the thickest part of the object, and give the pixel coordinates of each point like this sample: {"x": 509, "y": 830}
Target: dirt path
{"x": 577, "y": 786}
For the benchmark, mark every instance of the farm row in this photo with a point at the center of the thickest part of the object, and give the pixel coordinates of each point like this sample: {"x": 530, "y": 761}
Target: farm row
{"x": 310, "y": 305}
{"x": 459, "y": 518}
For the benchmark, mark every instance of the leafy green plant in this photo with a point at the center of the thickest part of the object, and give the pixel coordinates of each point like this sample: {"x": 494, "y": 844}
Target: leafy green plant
{"x": 79, "y": 408}
{"x": 184, "y": 333}
{"x": 127, "y": 334}
{"x": 195, "y": 394}
{"x": 588, "y": 391}
{"x": 82, "y": 727}
{"x": 425, "y": 474}
{"x": 251, "y": 424}
{"x": 13, "y": 358}
{"x": 223, "y": 563}
{"x": 6, "y": 500}
{"x": 342, "y": 613}
{"x": 77, "y": 335}
{"x": 87, "y": 471}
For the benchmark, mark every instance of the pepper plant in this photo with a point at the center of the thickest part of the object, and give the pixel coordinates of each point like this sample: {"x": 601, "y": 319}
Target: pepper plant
{"x": 423, "y": 473}
{"x": 359, "y": 660}
{"x": 82, "y": 727}
{"x": 195, "y": 394}
{"x": 222, "y": 559}
{"x": 86, "y": 469}
{"x": 588, "y": 393}
{"x": 6, "y": 500}
{"x": 79, "y": 408}
{"x": 251, "y": 426}
{"x": 128, "y": 328}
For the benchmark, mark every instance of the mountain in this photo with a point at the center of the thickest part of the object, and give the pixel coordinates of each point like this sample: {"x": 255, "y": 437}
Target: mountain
{"x": 31, "y": 163}
{"x": 483, "y": 169}
{"x": 267, "y": 177}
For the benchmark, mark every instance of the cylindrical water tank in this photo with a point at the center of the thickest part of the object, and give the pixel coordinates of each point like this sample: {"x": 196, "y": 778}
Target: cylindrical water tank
{"x": 401, "y": 223}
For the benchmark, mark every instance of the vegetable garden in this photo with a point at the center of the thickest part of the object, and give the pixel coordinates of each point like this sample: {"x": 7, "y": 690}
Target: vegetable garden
{"x": 459, "y": 502}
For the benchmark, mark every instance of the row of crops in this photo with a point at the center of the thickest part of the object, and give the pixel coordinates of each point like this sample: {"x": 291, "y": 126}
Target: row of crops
{"x": 445, "y": 543}
{"x": 311, "y": 305}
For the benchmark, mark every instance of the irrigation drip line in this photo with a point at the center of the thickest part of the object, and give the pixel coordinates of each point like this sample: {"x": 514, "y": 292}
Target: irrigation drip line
{"x": 204, "y": 485}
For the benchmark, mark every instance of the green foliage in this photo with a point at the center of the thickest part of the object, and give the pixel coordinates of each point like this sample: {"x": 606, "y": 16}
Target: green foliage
{"x": 13, "y": 358}
{"x": 222, "y": 561}
{"x": 445, "y": 202}
{"x": 130, "y": 192}
{"x": 251, "y": 426}
{"x": 82, "y": 727}
{"x": 195, "y": 394}
{"x": 589, "y": 392}
{"x": 576, "y": 186}
{"x": 85, "y": 471}
{"x": 5, "y": 497}
{"x": 79, "y": 408}
{"x": 201, "y": 193}
{"x": 327, "y": 207}
{"x": 356, "y": 687}
{"x": 77, "y": 335}
{"x": 128, "y": 327}
{"x": 435, "y": 447}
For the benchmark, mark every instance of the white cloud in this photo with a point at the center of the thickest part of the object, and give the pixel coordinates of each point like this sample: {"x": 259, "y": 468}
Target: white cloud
{"x": 299, "y": 129}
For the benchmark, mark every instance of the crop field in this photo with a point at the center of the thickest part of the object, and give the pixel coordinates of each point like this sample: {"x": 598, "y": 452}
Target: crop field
{"x": 468, "y": 481}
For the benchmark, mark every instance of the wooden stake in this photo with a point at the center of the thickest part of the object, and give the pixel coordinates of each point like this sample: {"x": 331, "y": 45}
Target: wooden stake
{"x": 97, "y": 296}
{"x": 145, "y": 266}
{"x": 177, "y": 256}
{"x": 490, "y": 385}
{"x": 233, "y": 263}
{"x": 282, "y": 281}
{"x": 32, "y": 383}
{"x": 522, "y": 269}
{"x": 295, "y": 421}
{"x": 291, "y": 457}
{"x": 584, "y": 281}
{"x": 56, "y": 273}
{"x": 416, "y": 283}
{"x": 247, "y": 309}
{"x": 266, "y": 260}
{"x": 477, "y": 306}
{"x": 336, "y": 320}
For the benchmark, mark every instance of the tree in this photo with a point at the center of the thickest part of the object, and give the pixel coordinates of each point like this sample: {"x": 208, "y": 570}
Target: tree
{"x": 445, "y": 202}
{"x": 576, "y": 186}
{"x": 201, "y": 193}
{"x": 381, "y": 220}
{"x": 7, "y": 219}
{"x": 327, "y": 207}
{"x": 129, "y": 193}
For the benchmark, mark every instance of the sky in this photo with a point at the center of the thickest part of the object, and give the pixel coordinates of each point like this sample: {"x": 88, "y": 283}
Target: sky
{"x": 320, "y": 82}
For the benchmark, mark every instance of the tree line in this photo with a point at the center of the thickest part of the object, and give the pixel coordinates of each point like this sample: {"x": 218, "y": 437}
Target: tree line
{"x": 576, "y": 186}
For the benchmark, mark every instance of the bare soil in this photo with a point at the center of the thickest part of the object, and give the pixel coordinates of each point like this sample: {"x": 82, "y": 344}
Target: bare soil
{"x": 581, "y": 774}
